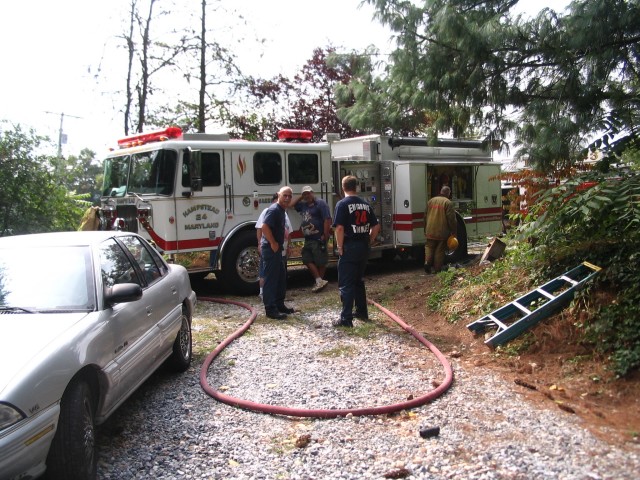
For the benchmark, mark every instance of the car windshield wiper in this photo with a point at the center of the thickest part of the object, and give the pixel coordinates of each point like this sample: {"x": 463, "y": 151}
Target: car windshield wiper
{"x": 65, "y": 310}
{"x": 8, "y": 308}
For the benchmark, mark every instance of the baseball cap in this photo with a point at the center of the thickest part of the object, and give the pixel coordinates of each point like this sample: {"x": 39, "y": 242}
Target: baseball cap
{"x": 307, "y": 188}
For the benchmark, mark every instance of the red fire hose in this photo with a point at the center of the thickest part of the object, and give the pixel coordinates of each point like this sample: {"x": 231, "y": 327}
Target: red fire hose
{"x": 321, "y": 413}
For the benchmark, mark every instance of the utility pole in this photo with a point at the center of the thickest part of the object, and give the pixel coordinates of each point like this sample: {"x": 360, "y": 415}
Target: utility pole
{"x": 61, "y": 135}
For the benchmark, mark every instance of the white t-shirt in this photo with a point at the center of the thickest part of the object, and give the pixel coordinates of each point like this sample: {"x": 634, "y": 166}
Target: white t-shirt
{"x": 287, "y": 229}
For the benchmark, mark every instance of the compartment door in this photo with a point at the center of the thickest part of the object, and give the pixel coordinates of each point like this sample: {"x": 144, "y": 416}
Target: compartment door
{"x": 410, "y": 187}
{"x": 488, "y": 211}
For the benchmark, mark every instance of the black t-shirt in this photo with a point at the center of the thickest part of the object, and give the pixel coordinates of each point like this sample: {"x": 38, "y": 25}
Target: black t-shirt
{"x": 356, "y": 216}
{"x": 275, "y": 218}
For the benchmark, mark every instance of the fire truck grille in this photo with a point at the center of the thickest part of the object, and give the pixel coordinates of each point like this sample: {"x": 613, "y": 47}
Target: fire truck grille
{"x": 129, "y": 214}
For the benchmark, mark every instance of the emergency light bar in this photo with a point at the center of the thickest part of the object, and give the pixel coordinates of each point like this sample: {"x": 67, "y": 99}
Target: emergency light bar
{"x": 143, "y": 138}
{"x": 290, "y": 134}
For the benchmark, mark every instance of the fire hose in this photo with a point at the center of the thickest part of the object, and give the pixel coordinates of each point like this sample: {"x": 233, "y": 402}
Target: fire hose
{"x": 321, "y": 413}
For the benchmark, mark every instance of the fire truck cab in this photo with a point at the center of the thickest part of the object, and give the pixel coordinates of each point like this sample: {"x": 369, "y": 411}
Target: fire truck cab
{"x": 199, "y": 192}
{"x": 190, "y": 193}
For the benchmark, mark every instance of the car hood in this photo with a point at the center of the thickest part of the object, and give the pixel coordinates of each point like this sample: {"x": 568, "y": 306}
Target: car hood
{"x": 26, "y": 335}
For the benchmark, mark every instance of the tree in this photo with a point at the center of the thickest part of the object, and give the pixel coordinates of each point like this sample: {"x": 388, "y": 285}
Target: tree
{"x": 314, "y": 107}
{"x": 80, "y": 174}
{"x": 128, "y": 38}
{"x": 552, "y": 81}
{"x": 308, "y": 101}
{"x": 32, "y": 198}
{"x": 366, "y": 104}
{"x": 153, "y": 56}
{"x": 206, "y": 73}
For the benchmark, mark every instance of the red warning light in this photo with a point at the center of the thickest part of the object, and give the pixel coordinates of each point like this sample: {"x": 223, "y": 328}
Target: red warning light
{"x": 156, "y": 136}
{"x": 291, "y": 134}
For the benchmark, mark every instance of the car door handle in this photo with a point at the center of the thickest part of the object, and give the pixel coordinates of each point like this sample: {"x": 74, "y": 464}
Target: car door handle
{"x": 119, "y": 348}
{"x": 149, "y": 310}
{"x": 174, "y": 290}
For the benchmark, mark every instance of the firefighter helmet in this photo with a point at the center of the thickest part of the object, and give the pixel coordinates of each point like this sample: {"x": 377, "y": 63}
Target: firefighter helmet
{"x": 452, "y": 243}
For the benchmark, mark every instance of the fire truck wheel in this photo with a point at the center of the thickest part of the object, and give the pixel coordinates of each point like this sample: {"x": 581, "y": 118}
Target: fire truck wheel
{"x": 240, "y": 262}
{"x": 418, "y": 254}
{"x": 459, "y": 254}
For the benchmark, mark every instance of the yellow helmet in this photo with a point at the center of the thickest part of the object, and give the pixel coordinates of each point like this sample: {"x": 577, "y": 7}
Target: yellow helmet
{"x": 452, "y": 242}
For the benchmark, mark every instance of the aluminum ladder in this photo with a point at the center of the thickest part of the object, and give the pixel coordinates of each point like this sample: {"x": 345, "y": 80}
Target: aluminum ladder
{"x": 514, "y": 318}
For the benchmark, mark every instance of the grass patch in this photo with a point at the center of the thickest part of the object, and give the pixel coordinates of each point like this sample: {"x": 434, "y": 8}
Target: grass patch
{"x": 439, "y": 297}
{"x": 339, "y": 351}
{"x": 363, "y": 329}
{"x": 578, "y": 359}
{"x": 391, "y": 291}
{"x": 516, "y": 346}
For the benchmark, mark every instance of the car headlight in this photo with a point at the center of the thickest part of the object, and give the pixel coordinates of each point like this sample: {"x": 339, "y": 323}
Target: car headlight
{"x": 9, "y": 416}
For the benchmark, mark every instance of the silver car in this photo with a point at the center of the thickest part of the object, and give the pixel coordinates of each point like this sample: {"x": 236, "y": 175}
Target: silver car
{"x": 86, "y": 317}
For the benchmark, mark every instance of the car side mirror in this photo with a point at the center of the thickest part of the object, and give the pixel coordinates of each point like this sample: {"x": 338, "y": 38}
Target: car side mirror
{"x": 123, "y": 292}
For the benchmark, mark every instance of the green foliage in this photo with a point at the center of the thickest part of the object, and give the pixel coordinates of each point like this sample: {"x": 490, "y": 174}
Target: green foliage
{"x": 490, "y": 288}
{"x": 566, "y": 236}
{"x": 616, "y": 331}
{"x": 439, "y": 297}
{"x": 339, "y": 351}
{"x": 33, "y": 197}
{"x": 596, "y": 218}
{"x": 551, "y": 81}
{"x": 591, "y": 217}
{"x": 631, "y": 157}
{"x": 517, "y": 346}
{"x": 80, "y": 174}
{"x": 519, "y": 257}
{"x": 251, "y": 126}
{"x": 307, "y": 101}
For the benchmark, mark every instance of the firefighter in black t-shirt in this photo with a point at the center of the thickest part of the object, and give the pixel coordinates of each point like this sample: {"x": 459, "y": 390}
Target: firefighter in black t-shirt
{"x": 356, "y": 227}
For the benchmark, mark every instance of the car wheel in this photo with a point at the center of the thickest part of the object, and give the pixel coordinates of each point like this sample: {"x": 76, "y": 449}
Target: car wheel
{"x": 180, "y": 359}
{"x": 73, "y": 453}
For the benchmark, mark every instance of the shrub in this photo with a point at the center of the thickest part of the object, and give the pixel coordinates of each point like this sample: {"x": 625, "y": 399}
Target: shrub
{"x": 596, "y": 218}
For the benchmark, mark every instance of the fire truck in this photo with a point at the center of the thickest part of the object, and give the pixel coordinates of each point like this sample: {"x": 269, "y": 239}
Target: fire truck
{"x": 190, "y": 193}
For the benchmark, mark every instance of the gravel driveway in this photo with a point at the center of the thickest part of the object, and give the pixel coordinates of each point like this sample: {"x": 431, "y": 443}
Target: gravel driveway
{"x": 170, "y": 429}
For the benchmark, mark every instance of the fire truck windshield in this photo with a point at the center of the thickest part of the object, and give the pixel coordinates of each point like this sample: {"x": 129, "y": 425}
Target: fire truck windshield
{"x": 145, "y": 173}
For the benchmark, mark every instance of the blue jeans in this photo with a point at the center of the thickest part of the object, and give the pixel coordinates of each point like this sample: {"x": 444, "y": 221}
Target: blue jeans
{"x": 275, "y": 279}
{"x": 351, "y": 267}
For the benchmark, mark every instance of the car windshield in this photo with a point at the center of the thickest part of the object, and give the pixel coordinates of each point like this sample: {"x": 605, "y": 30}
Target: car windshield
{"x": 46, "y": 279}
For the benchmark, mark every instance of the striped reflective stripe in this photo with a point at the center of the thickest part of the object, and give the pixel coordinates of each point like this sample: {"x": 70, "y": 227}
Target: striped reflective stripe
{"x": 406, "y": 222}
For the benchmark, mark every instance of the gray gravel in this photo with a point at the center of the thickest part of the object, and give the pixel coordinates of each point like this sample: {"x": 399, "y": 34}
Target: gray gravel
{"x": 170, "y": 429}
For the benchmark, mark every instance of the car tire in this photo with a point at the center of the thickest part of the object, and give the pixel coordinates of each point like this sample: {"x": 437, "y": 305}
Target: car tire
{"x": 180, "y": 358}
{"x": 73, "y": 450}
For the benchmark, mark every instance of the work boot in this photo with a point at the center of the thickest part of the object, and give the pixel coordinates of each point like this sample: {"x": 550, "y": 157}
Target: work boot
{"x": 284, "y": 309}
{"x": 276, "y": 315}
{"x": 343, "y": 322}
{"x": 427, "y": 269}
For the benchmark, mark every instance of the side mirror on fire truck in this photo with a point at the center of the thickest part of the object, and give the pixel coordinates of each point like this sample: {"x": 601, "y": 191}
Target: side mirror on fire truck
{"x": 193, "y": 158}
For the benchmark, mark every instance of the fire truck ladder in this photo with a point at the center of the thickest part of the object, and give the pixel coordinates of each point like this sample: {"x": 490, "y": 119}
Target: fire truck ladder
{"x": 514, "y": 318}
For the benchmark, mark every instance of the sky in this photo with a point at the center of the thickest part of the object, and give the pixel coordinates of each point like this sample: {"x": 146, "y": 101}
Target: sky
{"x": 62, "y": 61}
{"x": 53, "y": 50}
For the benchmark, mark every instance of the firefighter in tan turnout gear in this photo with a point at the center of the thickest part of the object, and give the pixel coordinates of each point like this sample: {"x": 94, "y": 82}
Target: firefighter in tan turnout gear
{"x": 440, "y": 223}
